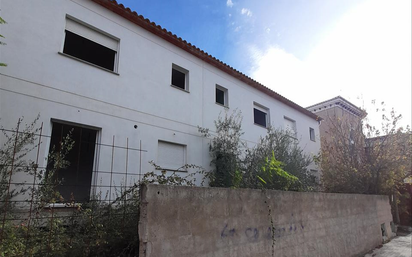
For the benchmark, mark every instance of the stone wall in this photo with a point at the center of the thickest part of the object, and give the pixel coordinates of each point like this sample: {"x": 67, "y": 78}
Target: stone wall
{"x": 195, "y": 221}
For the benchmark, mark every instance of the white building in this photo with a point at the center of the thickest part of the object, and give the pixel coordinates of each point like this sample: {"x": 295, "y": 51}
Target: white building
{"x": 115, "y": 77}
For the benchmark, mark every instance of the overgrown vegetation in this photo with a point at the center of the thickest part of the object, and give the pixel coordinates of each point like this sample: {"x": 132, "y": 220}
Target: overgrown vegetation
{"x": 38, "y": 227}
{"x": 279, "y": 146}
{"x": 226, "y": 150}
{"x": 276, "y": 162}
{"x": 361, "y": 158}
{"x": 21, "y": 144}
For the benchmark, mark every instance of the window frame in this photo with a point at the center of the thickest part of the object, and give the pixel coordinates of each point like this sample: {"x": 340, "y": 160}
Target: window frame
{"x": 264, "y": 110}
{"x": 225, "y": 96}
{"x": 70, "y": 20}
{"x": 312, "y": 135}
{"x": 93, "y": 179}
{"x": 185, "y": 72}
{"x": 294, "y": 129}
{"x": 162, "y": 166}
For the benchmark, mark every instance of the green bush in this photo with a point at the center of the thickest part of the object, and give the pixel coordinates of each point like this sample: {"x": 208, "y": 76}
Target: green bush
{"x": 276, "y": 162}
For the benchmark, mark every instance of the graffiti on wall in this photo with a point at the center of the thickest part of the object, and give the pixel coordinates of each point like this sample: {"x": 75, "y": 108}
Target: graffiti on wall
{"x": 255, "y": 233}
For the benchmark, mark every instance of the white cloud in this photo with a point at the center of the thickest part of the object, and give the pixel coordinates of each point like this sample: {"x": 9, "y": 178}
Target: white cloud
{"x": 230, "y": 15}
{"x": 237, "y": 28}
{"x": 365, "y": 57}
{"x": 229, "y": 3}
{"x": 279, "y": 70}
{"x": 246, "y": 12}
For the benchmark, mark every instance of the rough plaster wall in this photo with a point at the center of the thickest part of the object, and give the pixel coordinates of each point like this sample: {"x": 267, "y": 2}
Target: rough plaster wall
{"x": 193, "y": 221}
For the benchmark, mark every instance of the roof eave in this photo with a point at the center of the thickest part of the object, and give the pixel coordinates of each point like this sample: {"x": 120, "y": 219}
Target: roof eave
{"x": 139, "y": 20}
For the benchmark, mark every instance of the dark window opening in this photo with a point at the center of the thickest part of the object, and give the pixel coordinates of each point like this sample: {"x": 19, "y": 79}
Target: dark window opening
{"x": 75, "y": 180}
{"x": 89, "y": 51}
{"x": 312, "y": 134}
{"x": 259, "y": 117}
{"x": 178, "y": 79}
{"x": 220, "y": 96}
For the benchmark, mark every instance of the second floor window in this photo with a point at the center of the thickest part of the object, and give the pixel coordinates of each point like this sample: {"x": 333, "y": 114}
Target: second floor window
{"x": 90, "y": 45}
{"x": 261, "y": 115}
{"x": 221, "y": 96}
{"x": 180, "y": 77}
{"x": 290, "y": 126}
{"x": 312, "y": 134}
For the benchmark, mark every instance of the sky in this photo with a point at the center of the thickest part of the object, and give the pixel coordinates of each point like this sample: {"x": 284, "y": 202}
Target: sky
{"x": 308, "y": 51}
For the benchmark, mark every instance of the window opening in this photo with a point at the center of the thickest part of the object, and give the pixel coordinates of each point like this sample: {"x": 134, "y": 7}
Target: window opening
{"x": 89, "y": 45}
{"x": 179, "y": 77}
{"x": 76, "y": 179}
{"x": 260, "y": 116}
{"x": 312, "y": 134}
{"x": 221, "y": 95}
{"x": 89, "y": 51}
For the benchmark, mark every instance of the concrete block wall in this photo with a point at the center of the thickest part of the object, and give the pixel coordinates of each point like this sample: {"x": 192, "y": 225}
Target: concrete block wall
{"x": 196, "y": 221}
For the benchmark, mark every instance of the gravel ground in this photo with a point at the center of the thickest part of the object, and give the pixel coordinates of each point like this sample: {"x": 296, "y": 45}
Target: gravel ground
{"x": 400, "y": 246}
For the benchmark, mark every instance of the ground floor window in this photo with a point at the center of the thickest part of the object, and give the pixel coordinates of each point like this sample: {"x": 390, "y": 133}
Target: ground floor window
{"x": 171, "y": 156}
{"x": 75, "y": 180}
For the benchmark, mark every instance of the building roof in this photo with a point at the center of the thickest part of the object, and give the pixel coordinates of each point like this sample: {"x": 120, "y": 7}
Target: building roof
{"x": 152, "y": 27}
{"x": 342, "y": 103}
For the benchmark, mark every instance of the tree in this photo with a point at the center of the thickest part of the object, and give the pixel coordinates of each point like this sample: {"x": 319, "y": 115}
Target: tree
{"x": 226, "y": 149}
{"x": 16, "y": 145}
{"x": 280, "y": 144}
{"x": 366, "y": 159}
{"x": 276, "y": 162}
{"x": 272, "y": 175}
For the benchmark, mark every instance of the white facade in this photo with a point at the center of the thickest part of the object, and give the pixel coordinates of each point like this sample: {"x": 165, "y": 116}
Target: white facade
{"x": 40, "y": 79}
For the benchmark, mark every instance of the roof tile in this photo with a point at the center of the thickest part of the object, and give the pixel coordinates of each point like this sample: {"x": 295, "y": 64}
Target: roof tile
{"x": 152, "y": 27}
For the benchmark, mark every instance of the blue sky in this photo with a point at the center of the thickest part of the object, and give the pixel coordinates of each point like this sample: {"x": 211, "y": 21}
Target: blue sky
{"x": 306, "y": 50}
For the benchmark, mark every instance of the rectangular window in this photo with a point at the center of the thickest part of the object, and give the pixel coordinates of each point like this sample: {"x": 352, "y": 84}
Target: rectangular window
{"x": 171, "y": 156}
{"x": 180, "y": 77}
{"x": 260, "y": 115}
{"x": 221, "y": 96}
{"x": 90, "y": 45}
{"x": 312, "y": 134}
{"x": 290, "y": 126}
{"x": 76, "y": 179}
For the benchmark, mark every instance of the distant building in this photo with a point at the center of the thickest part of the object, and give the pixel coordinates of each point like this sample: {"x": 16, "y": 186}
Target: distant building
{"x": 337, "y": 108}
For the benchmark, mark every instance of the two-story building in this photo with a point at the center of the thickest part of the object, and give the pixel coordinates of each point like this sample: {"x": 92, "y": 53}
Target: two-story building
{"x": 130, "y": 92}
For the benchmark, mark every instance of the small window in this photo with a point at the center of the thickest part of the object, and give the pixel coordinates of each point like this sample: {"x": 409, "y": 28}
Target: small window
{"x": 171, "y": 156}
{"x": 90, "y": 45}
{"x": 260, "y": 115}
{"x": 290, "y": 126}
{"x": 180, "y": 77}
{"x": 221, "y": 96}
{"x": 312, "y": 134}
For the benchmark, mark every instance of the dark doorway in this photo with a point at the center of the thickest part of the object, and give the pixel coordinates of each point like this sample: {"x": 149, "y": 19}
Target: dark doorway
{"x": 75, "y": 180}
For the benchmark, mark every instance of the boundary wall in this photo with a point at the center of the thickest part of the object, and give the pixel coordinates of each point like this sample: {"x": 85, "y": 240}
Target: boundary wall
{"x": 199, "y": 221}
